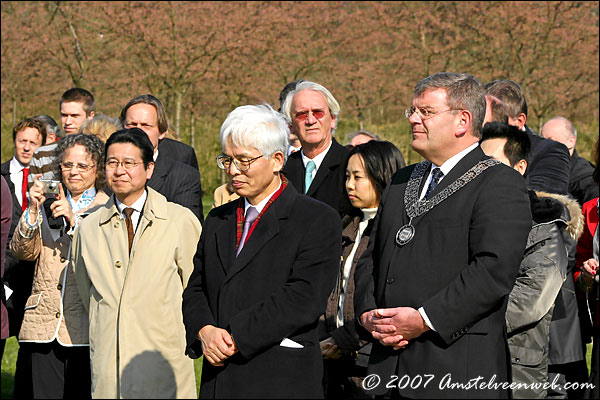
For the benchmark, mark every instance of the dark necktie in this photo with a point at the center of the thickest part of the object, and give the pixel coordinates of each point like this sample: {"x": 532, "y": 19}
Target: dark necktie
{"x": 251, "y": 215}
{"x": 24, "y": 188}
{"x": 128, "y": 211}
{"x": 436, "y": 175}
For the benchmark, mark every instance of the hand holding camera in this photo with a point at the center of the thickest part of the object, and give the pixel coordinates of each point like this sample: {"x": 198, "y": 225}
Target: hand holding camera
{"x": 36, "y": 196}
{"x": 61, "y": 207}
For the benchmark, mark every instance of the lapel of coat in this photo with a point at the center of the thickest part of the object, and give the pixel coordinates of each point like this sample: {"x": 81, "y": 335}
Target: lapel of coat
{"x": 469, "y": 160}
{"x": 17, "y": 211}
{"x": 331, "y": 160}
{"x": 294, "y": 171}
{"x": 225, "y": 238}
{"x": 161, "y": 169}
{"x": 265, "y": 230}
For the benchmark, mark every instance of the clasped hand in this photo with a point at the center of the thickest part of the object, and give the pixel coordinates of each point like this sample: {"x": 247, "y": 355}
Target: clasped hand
{"x": 217, "y": 344}
{"x": 394, "y": 326}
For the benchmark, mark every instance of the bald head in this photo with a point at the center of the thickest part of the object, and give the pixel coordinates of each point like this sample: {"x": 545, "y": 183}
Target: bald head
{"x": 560, "y": 130}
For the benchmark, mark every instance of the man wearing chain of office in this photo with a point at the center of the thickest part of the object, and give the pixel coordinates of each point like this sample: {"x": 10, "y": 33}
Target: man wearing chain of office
{"x": 449, "y": 236}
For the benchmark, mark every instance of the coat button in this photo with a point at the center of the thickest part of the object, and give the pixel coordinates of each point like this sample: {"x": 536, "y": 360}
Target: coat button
{"x": 118, "y": 264}
{"x": 57, "y": 315}
{"x": 59, "y": 287}
{"x": 517, "y": 359}
{"x": 116, "y": 225}
{"x": 62, "y": 259}
{"x": 389, "y": 281}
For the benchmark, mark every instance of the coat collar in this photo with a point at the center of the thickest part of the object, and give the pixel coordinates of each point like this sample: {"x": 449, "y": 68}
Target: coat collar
{"x": 155, "y": 207}
{"x": 267, "y": 228}
{"x": 331, "y": 161}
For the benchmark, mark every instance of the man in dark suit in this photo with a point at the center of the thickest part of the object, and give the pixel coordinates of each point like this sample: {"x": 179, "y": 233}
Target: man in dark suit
{"x": 548, "y": 167}
{"x": 318, "y": 169}
{"x": 262, "y": 272}
{"x": 28, "y": 136}
{"x": 176, "y": 150}
{"x": 444, "y": 254}
{"x": 581, "y": 182}
{"x": 178, "y": 182}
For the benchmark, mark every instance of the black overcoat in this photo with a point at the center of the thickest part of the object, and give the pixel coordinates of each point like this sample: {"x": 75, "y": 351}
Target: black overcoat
{"x": 460, "y": 266}
{"x": 275, "y": 289}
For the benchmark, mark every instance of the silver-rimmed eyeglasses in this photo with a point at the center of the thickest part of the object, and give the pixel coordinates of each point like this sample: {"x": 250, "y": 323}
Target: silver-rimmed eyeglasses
{"x": 424, "y": 114}
{"x": 224, "y": 162}
{"x": 127, "y": 165}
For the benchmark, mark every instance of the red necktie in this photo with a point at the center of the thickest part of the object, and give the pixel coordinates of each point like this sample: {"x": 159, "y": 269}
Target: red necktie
{"x": 24, "y": 188}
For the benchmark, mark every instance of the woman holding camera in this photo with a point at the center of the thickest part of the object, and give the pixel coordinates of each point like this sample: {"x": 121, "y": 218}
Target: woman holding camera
{"x": 369, "y": 169}
{"x": 55, "y": 361}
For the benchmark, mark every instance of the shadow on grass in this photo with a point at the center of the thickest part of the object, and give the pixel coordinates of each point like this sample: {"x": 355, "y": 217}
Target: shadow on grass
{"x": 7, "y": 385}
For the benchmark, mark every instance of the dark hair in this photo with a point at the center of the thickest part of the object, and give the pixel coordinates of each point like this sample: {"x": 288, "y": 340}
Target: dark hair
{"x": 382, "y": 159}
{"x": 161, "y": 113}
{"x": 50, "y": 124}
{"x": 30, "y": 123}
{"x": 518, "y": 145}
{"x": 136, "y": 137}
{"x": 510, "y": 93}
{"x": 286, "y": 89}
{"x": 79, "y": 95}
{"x": 93, "y": 146}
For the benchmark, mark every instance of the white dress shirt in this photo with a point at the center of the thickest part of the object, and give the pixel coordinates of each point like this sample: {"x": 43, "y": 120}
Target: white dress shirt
{"x": 138, "y": 207}
{"x": 16, "y": 177}
{"x": 318, "y": 160}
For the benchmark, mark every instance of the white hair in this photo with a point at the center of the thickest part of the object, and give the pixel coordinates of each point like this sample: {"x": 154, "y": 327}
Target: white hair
{"x": 257, "y": 126}
{"x": 332, "y": 103}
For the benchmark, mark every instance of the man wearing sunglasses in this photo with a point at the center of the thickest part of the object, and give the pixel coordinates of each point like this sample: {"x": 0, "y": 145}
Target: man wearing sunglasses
{"x": 317, "y": 170}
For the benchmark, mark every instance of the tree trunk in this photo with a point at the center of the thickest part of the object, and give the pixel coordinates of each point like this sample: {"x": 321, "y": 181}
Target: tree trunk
{"x": 193, "y": 131}
{"x": 178, "y": 113}
{"x": 14, "y": 113}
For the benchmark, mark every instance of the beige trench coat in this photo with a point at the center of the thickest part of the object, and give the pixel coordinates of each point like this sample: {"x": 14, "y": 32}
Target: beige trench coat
{"x": 137, "y": 336}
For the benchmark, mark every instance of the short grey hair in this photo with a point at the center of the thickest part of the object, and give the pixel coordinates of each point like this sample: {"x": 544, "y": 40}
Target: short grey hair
{"x": 332, "y": 103}
{"x": 258, "y": 126}
{"x": 352, "y": 135}
{"x": 569, "y": 126}
{"x": 464, "y": 92}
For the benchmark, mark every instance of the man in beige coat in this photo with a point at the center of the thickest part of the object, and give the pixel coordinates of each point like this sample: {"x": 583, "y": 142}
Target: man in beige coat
{"x": 132, "y": 259}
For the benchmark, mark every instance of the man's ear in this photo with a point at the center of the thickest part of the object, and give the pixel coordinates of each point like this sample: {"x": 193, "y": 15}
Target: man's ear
{"x": 150, "y": 170}
{"x": 520, "y": 121}
{"x": 464, "y": 122}
{"x": 91, "y": 115}
{"x": 278, "y": 161}
{"x": 521, "y": 167}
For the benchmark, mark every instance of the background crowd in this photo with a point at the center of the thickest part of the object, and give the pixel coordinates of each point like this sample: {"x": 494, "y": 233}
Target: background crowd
{"x": 94, "y": 210}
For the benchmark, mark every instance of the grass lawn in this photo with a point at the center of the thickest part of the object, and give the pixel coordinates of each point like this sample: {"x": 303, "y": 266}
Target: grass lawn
{"x": 10, "y": 358}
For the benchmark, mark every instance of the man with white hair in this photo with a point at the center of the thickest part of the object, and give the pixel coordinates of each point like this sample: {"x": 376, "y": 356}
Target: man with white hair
{"x": 262, "y": 271}
{"x": 318, "y": 169}
{"x": 581, "y": 183}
